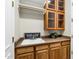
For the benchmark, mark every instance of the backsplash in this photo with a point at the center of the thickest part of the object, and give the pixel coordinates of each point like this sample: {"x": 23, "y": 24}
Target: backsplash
{"x": 57, "y": 31}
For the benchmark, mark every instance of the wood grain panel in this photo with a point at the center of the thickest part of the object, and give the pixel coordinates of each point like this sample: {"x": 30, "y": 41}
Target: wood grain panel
{"x": 26, "y": 56}
{"x": 40, "y": 47}
{"x": 55, "y": 44}
{"x": 55, "y": 53}
{"x": 24, "y": 50}
{"x": 65, "y": 51}
{"x": 43, "y": 54}
{"x": 65, "y": 42}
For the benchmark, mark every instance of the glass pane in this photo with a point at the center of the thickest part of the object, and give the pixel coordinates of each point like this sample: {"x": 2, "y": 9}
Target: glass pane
{"x": 60, "y": 5}
{"x": 51, "y": 4}
{"x": 60, "y": 16}
{"x": 60, "y": 23}
{"x": 51, "y": 15}
{"x": 51, "y": 23}
{"x": 60, "y": 8}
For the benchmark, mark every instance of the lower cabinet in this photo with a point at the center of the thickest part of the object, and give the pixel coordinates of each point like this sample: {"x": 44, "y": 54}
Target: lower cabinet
{"x": 65, "y": 52}
{"x": 60, "y": 50}
{"x": 25, "y": 56}
{"x": 43, "y": 54}
{"x": 55, "y": 53}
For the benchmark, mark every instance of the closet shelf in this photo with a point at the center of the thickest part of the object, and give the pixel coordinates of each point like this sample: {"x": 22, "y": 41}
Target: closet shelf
{"x": 31, "y": 7}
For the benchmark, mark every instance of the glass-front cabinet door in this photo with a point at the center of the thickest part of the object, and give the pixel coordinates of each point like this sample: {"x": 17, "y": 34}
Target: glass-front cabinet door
{"x": 60, "y": 20}
{"x": 60, "y": 5}
{"x": 51, "y": 20}
{"x": 51, "y": 4}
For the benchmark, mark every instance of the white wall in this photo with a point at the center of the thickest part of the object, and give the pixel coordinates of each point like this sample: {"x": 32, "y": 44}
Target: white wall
{"x": 17, "y": 22}
{"x": 31, "y": 25}
{"x": 68, "y": 18}
{"x": 9, "y": 29}
{"x": 31, "y": 21}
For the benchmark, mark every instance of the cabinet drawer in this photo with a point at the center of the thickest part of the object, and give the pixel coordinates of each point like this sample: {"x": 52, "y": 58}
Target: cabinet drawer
{"x": 40, "y": 47}
{"x": 66, "y": 43}
{"x": 24, "y": 50}
{"x": 55, "y": 44}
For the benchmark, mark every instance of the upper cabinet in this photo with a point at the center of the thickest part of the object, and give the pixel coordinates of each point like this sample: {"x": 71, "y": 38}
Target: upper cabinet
{"x": 54, "y": 16}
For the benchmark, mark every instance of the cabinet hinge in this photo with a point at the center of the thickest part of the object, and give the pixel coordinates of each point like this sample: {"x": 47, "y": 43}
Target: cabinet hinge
{"x": 72, "y": 3}
{"x": 72, "y": 19}
{"x": 12, "y": 3}
{"x": 12, "y": 39}
{"x": 72, "y": 36}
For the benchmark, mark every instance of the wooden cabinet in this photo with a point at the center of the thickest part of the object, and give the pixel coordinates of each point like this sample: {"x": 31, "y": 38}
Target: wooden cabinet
{"x": 65, "y": 52}
{"x": 43, "y": 54}
{"x": 26, "y": 56}
{"x": 55, "y": 50}
{"x": 55, "y": 53}
{"x": 54, "y": 15}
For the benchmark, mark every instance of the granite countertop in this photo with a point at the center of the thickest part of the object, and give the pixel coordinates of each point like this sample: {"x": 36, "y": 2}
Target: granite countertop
{"x": 25, "y": 42}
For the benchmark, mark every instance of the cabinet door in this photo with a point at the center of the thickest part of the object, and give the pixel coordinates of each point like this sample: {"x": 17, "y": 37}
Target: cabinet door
{"x": 55, "y": 53}
{"x": 43, "y": 54}
{"x": 60, "y": 5}
{"x": 25, "y": 56}
{"x": 60, "y": 20}
{"x": 50, "y": 19}
{"x": 65, "y": 51}
{"x": 51, "y": 4}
